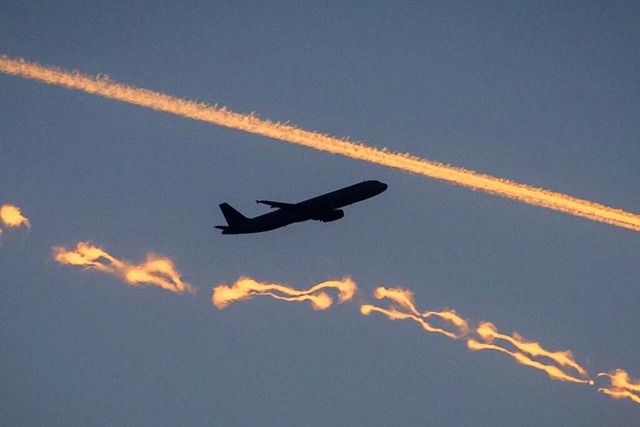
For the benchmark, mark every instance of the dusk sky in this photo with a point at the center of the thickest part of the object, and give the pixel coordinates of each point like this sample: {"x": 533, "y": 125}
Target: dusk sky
{"x": 540, "y": 93}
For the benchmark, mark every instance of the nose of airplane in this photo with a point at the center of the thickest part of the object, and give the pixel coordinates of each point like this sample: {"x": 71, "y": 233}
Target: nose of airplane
{"x": 381, "y": 186}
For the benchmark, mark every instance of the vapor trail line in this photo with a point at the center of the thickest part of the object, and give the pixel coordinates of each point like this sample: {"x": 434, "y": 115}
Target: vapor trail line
{"x": 155, "y": 270}
{"x": 558, "y": 365}
{"x": 245, "y": 288}
{"x": 622, "y": 386}
{"x": 406, "y": 309}
{"x": 107, "y": 88}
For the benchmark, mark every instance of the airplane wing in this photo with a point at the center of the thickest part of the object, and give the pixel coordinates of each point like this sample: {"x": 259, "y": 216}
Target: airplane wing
{"x": 316, "y": 215}
{"x": 277, "y": 205}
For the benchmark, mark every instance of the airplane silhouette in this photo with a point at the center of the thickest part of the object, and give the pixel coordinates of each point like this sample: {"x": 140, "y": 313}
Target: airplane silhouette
{"x": 323, "y": 208}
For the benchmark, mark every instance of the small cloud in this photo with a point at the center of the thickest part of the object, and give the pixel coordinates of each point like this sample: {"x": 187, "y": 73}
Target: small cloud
{"x": 11, "y": 216}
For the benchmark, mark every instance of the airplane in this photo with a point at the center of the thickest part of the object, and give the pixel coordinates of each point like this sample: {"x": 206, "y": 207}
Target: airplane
{"x": 325, "y": 208}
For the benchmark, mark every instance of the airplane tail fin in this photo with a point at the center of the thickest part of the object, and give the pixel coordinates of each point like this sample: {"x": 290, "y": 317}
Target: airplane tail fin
{"x": 232, "y": 216}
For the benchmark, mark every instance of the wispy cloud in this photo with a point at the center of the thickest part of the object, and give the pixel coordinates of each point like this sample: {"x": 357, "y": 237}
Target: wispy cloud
{"x": 622, "y": 386}
{"x": 558, "y": 365}
{"x": 245, "y": 288}
{"x": 155, "y": 270}
{"x": 403, "y": 308}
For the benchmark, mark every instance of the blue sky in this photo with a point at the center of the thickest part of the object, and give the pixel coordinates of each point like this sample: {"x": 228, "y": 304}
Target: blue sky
{"x": 543, "y": 93}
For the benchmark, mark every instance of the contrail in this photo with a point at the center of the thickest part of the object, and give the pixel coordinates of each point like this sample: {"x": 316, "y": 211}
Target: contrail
{"x": 488, "y": 332}
{"x": 404, "y": 299}
{"x": 245, "y": 288}
{"x": 558, "y": 365}
{"x": 526, "y": 352}
{"x": 107, "y": 88}
{"x": 156, "y": 270}
{"x": 622, "y": 386}
{"x": 553, "y": 371}
{"x": 403, "y": 307}
{"x": 11, "y": 216}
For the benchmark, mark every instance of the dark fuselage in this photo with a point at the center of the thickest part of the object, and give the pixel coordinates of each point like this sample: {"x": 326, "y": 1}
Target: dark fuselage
{"x": 324, "y": 208}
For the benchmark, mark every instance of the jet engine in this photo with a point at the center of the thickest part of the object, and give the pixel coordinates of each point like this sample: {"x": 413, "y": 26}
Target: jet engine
{"x": 331, "y": 216}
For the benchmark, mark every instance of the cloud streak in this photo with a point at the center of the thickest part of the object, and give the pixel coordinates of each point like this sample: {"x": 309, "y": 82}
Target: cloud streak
{"x": 107, "y": 88}
{"x": 558, "y": 365}
{"x": 155, "y": 270}
{"x": 403, "y": 308}
{"x": 622, "y": 386}
{"x": 245, "y": 288}
{"x": 527, "y": 352}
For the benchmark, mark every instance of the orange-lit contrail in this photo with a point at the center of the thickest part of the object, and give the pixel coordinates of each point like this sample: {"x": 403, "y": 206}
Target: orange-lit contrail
{"x": 245, "y": 288}
{"x": 527, "y": 350}
{"x": 156, "y": 270}
{"x": 404, "y": 299}
{"x": 552, "y": 370}
{"x": 558, "y": 365}
{"x": 488, "y": 332}
{"x": 622, "y": 386}
{"x": 404, "y": 308}
{"x": 11, "y": 216}
{"x": 105, "y": 87}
